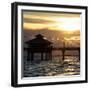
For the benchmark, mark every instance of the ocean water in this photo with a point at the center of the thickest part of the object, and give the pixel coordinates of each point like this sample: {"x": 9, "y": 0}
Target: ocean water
{"x": 55, "y": 67}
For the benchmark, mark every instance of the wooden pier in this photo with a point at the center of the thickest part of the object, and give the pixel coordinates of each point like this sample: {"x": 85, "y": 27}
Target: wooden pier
{"x": 63, "y": 49}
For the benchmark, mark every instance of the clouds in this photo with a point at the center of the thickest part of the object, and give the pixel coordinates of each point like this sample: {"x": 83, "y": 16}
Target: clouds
{"x": 39, "y": 20}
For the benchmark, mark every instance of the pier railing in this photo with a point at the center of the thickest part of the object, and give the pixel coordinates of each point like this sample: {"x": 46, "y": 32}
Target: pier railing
{"x": 63, "y": 49}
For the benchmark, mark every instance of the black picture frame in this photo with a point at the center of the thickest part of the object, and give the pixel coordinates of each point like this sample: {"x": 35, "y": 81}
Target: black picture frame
{"x": 14, "y": 43}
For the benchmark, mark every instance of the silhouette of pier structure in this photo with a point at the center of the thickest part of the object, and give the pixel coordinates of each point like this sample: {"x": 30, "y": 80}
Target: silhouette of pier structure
{"x": 41, "y": 46}
{"x": 64, "y": 49}
{"x": 44, "y": 47}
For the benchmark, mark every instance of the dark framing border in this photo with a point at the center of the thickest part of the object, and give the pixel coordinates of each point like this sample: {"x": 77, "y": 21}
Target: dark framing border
{"x": 14, "y": 43}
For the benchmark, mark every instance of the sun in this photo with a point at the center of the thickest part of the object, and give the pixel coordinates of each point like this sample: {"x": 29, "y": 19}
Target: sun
{"x": 69, "y": 26}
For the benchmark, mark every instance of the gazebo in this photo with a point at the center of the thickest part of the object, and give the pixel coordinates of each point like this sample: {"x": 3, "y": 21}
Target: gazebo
{"x": 41, "y": 46}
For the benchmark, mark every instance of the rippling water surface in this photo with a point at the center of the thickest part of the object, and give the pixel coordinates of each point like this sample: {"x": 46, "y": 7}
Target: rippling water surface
{"x": 56, "y": 67}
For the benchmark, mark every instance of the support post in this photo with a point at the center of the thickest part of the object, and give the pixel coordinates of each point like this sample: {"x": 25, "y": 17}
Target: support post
{"x": 50, "y": 55}
{"x": 28, "y": 55}
{"x": 79, "y": 53}
{"x": 63, "y": 51}
{"x": 32, "y": 56}
{"x": 46, "y": 56}
{"x": 41, "y": 56}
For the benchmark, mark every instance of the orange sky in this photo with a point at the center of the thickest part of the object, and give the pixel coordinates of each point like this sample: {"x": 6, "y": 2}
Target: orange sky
{"x": 52, "y": 21}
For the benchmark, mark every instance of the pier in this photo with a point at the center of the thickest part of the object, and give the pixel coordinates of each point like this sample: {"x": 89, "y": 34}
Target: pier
{"x": 44, "y": 47}
{"x": 64, "y": 49}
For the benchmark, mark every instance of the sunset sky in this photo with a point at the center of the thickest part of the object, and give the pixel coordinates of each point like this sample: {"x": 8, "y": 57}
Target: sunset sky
{"x": 51, "y": 21}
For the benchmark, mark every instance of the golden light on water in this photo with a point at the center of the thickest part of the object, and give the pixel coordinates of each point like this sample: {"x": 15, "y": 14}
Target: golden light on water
{"x": 63, "y": 30}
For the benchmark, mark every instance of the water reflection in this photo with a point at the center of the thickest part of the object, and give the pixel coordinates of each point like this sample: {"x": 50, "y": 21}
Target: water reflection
{"x": 70, "y": 66}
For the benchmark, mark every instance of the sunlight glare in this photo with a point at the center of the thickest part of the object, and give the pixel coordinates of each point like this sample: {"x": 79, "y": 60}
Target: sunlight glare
{"x": 67, "y": 26}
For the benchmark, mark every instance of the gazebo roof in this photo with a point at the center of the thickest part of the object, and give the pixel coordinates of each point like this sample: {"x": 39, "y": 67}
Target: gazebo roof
{"x": 38, "y": 40}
